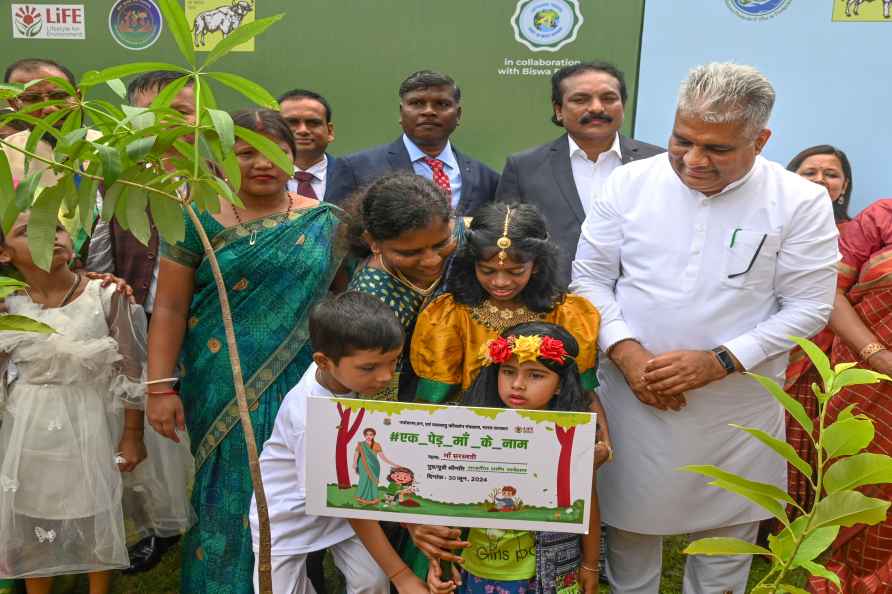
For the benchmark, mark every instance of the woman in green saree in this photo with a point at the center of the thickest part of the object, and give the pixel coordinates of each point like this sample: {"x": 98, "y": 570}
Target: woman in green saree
{"x": 279, "y": 255}
{"x": 368, "y": 467}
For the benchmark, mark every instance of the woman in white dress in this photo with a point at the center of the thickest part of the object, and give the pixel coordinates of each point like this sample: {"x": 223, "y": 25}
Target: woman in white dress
{"x": 72, "y": 421}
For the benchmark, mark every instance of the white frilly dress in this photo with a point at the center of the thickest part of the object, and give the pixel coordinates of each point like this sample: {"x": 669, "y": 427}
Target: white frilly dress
{"x": 62, "y": 416}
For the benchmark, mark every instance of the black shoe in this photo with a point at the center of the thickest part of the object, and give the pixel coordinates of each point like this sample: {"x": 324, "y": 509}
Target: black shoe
{"x": 147, "y": 553}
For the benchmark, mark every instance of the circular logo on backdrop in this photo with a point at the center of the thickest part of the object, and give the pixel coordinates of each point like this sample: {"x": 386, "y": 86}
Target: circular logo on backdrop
{"x": 546, "y": 25}
{"x": 135, "y": 24}
{"x": 757, "y": 9}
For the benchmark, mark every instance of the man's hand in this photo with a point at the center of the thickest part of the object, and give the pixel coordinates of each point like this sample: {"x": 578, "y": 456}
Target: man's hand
{"x": 672, "y": 374}
{"x": 437, "y": 542}
{"x": 632, "y": 359}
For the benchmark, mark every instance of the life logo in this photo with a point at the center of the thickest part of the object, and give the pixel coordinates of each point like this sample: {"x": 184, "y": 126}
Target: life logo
{"x": 48, "y": 21}
{"x": 757, "y": 10}
{"x": 546, "y": 25}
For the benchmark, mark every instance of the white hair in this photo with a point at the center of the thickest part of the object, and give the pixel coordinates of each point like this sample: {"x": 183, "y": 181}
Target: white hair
{"x": 724, "y": 92}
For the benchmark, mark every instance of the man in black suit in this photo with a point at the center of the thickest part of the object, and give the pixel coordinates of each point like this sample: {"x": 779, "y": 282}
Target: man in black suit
{"x": 430, "y": 110}
{"x": 561, "y": 177}
{"x": 309, "y": 116}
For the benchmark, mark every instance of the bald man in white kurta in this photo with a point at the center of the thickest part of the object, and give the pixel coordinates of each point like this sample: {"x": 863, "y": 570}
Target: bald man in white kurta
{"x": 674, "y": 269}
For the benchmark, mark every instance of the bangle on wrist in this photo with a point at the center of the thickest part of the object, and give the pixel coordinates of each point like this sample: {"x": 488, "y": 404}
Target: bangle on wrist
{"x": 161, "y": 381}
{"x": 163, "y": 393}
{"x": 393, "y": 575}
{"x": 588, "y": 569}
{"x": 609, "y": 450}
{"x": 870, "y": 349}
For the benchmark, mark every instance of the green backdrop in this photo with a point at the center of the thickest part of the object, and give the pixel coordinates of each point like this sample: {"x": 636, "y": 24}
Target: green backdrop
{"x": 356, "y": 52}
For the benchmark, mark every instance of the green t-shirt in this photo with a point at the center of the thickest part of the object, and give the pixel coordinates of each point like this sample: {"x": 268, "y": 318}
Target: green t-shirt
{"x": 503, "y": 555}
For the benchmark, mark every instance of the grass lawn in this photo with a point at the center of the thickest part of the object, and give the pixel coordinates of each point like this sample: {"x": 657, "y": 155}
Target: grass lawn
{"x": 164, "y": 579}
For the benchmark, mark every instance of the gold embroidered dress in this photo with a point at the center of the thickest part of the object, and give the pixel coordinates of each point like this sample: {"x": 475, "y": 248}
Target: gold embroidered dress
{"x": 448, "y": 337}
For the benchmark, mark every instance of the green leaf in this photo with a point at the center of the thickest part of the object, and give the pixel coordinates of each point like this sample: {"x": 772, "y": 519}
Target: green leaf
{"x": 781, "y": 447}
{"x": 111, "y": 163}
{"x": 232, "y": 171}
{"x": 857, "y": 471}
{"x": 855, "y": 377}
{"x": 14, "y": 323}
{"x": 137, "y": 216}
{"x": 846, "y": 413}
{"x": 224, "y": 190}
{"x": 86, "y": 202}
{"x": 266, "y": 146}
{"x": 110, "y": 201}
{"x": 765, "y": 502}
{"x": 8, "y": 286}
{"x": 793, "y": 406}
{"x": 168, "y": 217}
{"x": 168, "y": 93}
{"x": 139, "y": 148}
{"x": 140, "y": 117}
{"x": 204, "y": 196}
{"x": 7, "y": 192}
{"x": 175, "y": 19}
{"x": 42, "y": 223}
{"x": 818, "y": 358}
{"x": 248, "y": 88}
{"x": 60, "y": 83}
{"x": 840, "y": 367}
{"x": 724, "y": 546}
{"x": 821, "y": 571}
{"x": 125, "y": 70}
{"x": 847, "y": 437}
{"x": 118, "y": 87}
{"x": 814, "y": 544}
{"x": 741, "y": 482}
{"x": 24, "y": 194}
{"x": 224, "y": 127}
{"x": 244, "y": 33}
{"x": 847, "y": 508}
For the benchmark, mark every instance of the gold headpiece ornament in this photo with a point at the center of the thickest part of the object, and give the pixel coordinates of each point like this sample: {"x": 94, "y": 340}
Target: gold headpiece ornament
{"x": 504, "y": 242}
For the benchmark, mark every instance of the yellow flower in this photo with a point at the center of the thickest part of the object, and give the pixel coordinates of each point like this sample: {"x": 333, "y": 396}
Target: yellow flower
{"x": 526, "y": 348}
{"x": 483, "y": 354}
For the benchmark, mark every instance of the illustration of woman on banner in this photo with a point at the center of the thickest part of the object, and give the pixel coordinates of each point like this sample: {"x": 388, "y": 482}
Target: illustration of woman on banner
{"x": 368, "y": 467}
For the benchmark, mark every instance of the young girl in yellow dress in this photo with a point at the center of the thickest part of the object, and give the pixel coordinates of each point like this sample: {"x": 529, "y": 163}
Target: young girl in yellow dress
{"x": 506, "y": 273}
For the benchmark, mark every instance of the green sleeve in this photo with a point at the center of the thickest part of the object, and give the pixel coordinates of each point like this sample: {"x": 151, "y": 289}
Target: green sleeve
{"x": 589, "y": 379}
{"x": 434, "y": 392}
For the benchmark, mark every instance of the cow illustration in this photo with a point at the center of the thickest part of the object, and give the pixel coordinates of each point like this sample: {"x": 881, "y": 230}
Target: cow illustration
{"x": 852, "y": 7}
{"x": 225, "y": 19}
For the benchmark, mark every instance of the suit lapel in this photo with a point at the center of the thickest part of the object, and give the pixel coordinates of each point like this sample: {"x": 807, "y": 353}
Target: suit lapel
{"x": 398, "y": 156}
{"x": 469, "y": 182}
{"x": 563, "y": 175}
{"x": 628, "y": 150}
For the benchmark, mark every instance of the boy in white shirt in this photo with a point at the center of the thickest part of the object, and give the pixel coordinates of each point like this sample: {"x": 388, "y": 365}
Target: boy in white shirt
{"x": 357, "y": 342}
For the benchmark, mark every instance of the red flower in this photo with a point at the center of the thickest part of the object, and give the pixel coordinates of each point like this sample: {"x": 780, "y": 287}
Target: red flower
{"x": 499, "y": 350}
{"x": 27, "y": 19}
{"x": 552, "y": 349}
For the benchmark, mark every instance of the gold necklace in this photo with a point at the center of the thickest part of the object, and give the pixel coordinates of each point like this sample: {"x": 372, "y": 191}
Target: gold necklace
{"x": 402, "y": 278}
{"x": 287, "y": 212}
{"x": 498, "y": 318}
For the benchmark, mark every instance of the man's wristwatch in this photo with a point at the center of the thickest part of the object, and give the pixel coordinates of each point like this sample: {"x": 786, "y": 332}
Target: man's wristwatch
{"x": 725, "y": 358}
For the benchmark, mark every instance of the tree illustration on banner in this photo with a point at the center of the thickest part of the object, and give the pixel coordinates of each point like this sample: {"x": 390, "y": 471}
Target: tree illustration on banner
{"x": 565, "y": 430}
{"x": 345, "y": 434}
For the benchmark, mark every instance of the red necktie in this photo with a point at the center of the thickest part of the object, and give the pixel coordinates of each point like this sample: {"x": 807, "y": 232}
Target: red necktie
{"x": 440, "y": 177}
{"x": 304, "y": 187}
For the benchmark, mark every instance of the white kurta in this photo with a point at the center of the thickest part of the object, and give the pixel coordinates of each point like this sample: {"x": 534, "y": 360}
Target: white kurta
{"x": 655, "y": 258}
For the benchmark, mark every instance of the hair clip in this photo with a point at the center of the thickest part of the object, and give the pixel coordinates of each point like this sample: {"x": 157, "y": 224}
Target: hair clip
{"x": 504, "y": 242}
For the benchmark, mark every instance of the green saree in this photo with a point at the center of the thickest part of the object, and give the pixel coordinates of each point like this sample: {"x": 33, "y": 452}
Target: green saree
{"x": 275, "y": 268}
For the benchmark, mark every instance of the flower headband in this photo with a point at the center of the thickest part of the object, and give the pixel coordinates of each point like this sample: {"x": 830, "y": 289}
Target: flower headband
{"x": 525, "y": 348}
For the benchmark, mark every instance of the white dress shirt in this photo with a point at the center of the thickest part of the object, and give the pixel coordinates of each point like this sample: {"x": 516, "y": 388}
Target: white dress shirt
{"x": 318, "y": 171}
{"x": 675, "y": 269}
{"x": 589, "y": 175}
{"x": 283, "y": 467}
{"x": 417, "y": 156}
